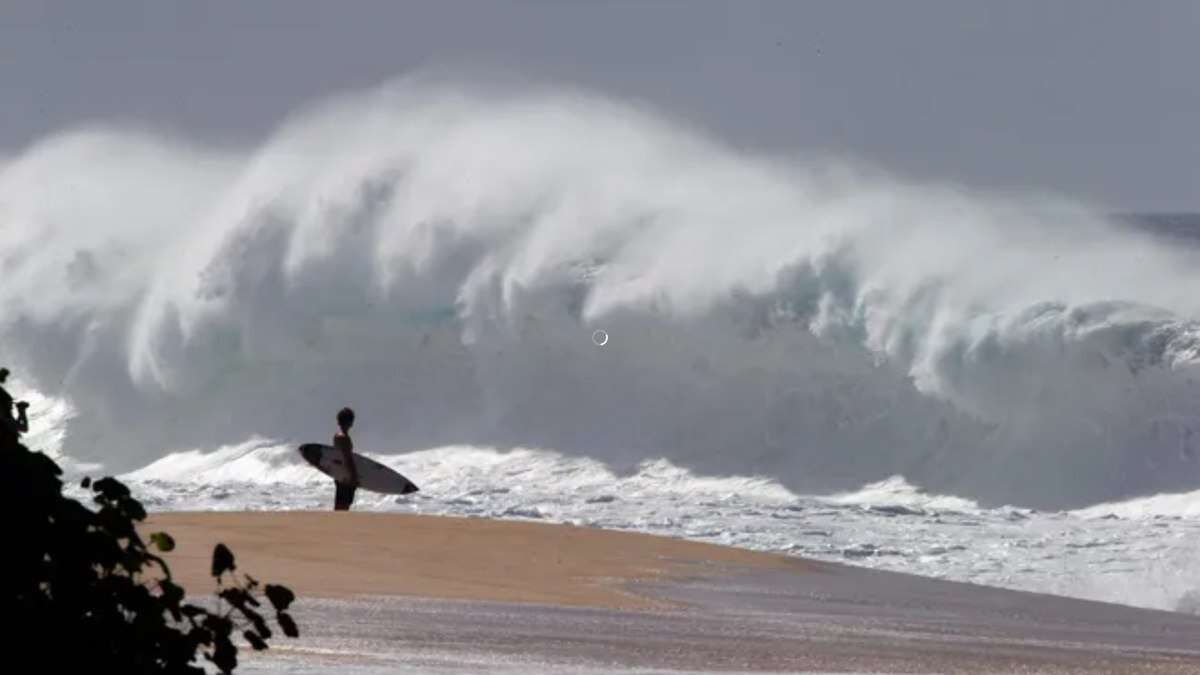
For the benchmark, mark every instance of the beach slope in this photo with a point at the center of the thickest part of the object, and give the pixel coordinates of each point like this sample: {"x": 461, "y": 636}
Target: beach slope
{"x": 405, "y": 593}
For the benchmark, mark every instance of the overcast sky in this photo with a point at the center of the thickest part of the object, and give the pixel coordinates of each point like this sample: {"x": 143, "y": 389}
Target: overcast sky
{"x": 1094, "y": 98}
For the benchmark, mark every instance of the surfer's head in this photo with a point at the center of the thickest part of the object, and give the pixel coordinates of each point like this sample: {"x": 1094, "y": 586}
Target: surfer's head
{"x": 345, "y": 418}
{"x": 3, "y": 375}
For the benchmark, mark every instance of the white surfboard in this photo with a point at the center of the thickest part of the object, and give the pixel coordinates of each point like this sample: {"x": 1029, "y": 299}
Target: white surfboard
{"x": 372, "y": 475}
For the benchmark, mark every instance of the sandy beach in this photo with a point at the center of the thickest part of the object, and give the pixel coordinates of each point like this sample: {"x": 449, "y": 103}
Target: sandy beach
{"x": 345, "y": 555}
{"x": 402, "y": 593}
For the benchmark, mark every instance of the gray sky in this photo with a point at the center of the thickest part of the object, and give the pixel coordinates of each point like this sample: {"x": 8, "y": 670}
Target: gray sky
{"x": 1095, "y": 98}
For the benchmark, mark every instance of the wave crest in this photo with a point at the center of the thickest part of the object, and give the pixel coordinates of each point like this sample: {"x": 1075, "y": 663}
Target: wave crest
{"x": 438, "y": 255}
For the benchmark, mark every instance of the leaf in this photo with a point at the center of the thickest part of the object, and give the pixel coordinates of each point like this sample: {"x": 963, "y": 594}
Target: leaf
{"x": 224, "y": 654}
{"x": 162, "y": 564}
{"x": 118, "y": 525}
{"x": 260, "y": 625}
{"x": 41, "y": 464}
{"x": 200, "y": 636}
{"x": 163, "y": 541}
{"x": 131, "y": 561}
{"x": 219, "y": 626}
{"x": 222, "y": 560}
{"x": 234, "y": 596}
{"x": 172, "y": 593}
{"x": 281, "y": 597}
{"x": 255, "y": 641}
{"x": 192, "y": 611}
{"x": 74, "y": 513}
{"x": 287, "y": 624}
{"x": 134, "y": 509}
{"x": 111, "y": 488}
{"x": 172, "y": 597}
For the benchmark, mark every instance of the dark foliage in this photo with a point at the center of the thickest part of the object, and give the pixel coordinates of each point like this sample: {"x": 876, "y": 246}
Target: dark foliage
{"x": 84, "y": 592}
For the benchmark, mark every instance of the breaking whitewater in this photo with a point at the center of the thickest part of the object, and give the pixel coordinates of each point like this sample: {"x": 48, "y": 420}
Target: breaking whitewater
{"x": 551, "y": 305}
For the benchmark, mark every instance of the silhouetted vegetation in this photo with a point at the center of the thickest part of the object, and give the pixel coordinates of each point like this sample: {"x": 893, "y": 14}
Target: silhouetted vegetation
{"x": 84, "y": 592}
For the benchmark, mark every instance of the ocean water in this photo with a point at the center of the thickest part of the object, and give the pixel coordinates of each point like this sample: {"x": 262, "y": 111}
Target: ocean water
{"x": 803, "y": 354}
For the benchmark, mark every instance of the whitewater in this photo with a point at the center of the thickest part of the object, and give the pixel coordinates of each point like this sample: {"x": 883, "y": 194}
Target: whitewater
{"x": 803, "y": 354}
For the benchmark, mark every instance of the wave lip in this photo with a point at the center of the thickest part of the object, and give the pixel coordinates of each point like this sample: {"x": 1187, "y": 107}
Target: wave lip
{"x": 1167, "y": 505}
{"x": 899, "y": 496}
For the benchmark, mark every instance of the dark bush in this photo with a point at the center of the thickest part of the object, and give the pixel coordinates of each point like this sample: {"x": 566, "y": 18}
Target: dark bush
{"x": 84, "y": 592}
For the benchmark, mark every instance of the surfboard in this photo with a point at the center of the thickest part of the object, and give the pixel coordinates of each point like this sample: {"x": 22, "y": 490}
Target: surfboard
{"x": 372, "y": 475}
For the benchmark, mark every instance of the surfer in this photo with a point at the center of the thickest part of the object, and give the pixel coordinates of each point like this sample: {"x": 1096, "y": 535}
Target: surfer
{"x": 14, "y": 426}
{"x": 344, "y": 494}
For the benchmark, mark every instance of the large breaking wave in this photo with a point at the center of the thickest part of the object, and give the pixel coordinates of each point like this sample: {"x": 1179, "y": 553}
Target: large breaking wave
{"x": 437, "y": 254}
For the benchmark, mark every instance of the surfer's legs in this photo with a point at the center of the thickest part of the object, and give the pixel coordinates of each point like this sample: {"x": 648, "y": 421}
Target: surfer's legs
{"x": 343, "y": 497}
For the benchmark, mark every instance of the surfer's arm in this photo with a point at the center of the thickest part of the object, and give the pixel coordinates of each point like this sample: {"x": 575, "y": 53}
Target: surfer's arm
{"x": 353, "y": 467}
{"x": 342, "y": 443}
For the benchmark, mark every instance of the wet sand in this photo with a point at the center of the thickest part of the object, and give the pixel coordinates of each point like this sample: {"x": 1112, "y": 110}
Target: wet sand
{"x": 398, "y": 593}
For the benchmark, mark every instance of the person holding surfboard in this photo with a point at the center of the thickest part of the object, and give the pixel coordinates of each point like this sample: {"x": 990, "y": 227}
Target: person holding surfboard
{"x": 350, "y": 470}
{"x": 344, "y": 491}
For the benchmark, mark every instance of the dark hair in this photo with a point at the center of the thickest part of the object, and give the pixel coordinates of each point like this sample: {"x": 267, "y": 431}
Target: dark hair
{"x": 345, "y": 418}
